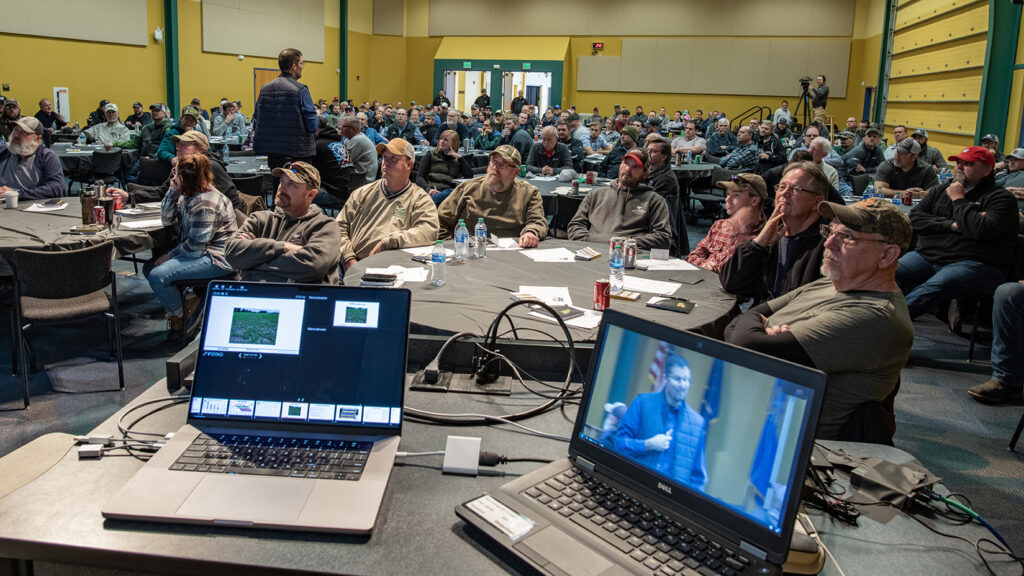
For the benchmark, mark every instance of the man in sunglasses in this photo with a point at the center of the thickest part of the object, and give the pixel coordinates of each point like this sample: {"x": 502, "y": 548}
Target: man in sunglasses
{"x": 293, "y": 242}
{"x": 787, "y": 252}
{"x": 853, "y": 324}
{"x": 966, "y": 235}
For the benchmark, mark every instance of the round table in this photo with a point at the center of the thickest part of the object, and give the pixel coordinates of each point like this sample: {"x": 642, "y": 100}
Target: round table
{"x": 478, "y": 289}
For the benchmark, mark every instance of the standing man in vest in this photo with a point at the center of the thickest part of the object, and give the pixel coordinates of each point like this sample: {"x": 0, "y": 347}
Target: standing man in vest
{"x": 285, "y": 119}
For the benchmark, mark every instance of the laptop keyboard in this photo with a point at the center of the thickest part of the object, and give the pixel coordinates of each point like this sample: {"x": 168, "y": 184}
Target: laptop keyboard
{"x": 651, "y": 540}
{"x": 275, "y": 456}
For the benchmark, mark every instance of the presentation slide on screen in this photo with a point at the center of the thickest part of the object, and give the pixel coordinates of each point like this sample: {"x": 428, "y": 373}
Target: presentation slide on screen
{"x": 356, "y": 314}
{"x": 264, "y": 325}
{"x": 297, "y": 411}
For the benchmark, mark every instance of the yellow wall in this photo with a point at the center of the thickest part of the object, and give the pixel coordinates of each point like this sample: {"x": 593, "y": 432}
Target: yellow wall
{"x": 1016, "y": 111}
{"x": 33, "y": 66}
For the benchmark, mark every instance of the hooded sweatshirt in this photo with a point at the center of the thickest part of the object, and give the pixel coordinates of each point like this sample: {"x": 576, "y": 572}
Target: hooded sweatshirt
{"x": 264, "y": 258}
{"x": 640, "y": 214}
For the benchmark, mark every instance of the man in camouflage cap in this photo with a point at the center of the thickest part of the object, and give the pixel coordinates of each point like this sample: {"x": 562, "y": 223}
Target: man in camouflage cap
{"x": 510, "y": 207}
{"x": 852, "y": 324}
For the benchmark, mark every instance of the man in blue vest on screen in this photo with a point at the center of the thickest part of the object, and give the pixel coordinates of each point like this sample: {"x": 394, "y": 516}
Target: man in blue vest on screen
{"x": 285, "y": 119}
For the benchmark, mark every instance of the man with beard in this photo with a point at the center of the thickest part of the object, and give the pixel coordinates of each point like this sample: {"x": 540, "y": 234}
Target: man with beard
{"x": 722, "y": 142}
{"x": 771, "y": 153}
{"x": 510, "y": 207}
{"x": 625, "y": 208}
{"x": 389, "y": 214}
{"x": 189, "y": 121}
{"x": 12, "y": 112}
{"x": 110, "y": 131}
{"x": 857, "y": 308}
{"x": 28, "y": 168}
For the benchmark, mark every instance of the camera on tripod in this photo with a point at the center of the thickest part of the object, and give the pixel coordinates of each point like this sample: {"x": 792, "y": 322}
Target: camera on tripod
{"x": 805, "y": 83}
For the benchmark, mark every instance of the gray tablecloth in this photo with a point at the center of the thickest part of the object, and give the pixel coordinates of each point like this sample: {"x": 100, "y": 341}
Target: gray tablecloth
{"x": 247, "y": 165}
{"x": 477, "y": 290}
{"x": 81, "y": 161}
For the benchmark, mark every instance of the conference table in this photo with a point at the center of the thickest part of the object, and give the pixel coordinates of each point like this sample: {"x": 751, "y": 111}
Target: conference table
{"x": 478, "y": 289}
{"x": 75, "y": 159}
{"x": 247, "y": 165}
{"x": 22, "y": 228}
{"x": 51, "y": 511}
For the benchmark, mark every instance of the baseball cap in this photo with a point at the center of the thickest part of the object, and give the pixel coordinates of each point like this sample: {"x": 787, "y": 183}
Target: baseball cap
{"x": 909, "y": 146}
{"x": 872, "y": 216}
{"x": 637, "y": 154}
{"x": 508, "y": 153}
{"x": 872, "y": 128}
{"x": 846, "y": 134}
{"x": 110, "y": 106}
{"x": 299, "y": 172}
{"x": 190, "y": 111}
{"x": 739, "y": 183}
{"x": 1017, "y": 153}
{"x": 11, "y": 102}
{"x": 137, "y": 105}
{"x": 921, "y": 132}
{"x": 192, "y": 136}
{"x": 398, "y": 146}
{"x": 158, "y": 106}
{"x": 30, "y": 124}
{"x": 633, "y": 133}
{"x": 990, "y": 138}
{"x": 973, "y": 154}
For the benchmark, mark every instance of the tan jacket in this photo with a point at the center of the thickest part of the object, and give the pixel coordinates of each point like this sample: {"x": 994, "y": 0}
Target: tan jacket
{"x": 405, "y": 221}
{"x": 507, "y": 214}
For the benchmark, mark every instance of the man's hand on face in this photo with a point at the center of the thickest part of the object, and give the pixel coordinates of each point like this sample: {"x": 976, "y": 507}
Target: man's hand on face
{"x": 956, "y": 190}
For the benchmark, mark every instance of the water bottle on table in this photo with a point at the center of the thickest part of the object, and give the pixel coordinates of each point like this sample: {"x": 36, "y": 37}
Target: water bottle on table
{"x": 81, "y": 138}
{"x": 225, "y": 152}
{"x": 615, "y": 264}
{"x": 437, "y": 258}
{"x": 869, "y": 192}
{"x": 480, "y": 234}
{"x": 461, "y": 241}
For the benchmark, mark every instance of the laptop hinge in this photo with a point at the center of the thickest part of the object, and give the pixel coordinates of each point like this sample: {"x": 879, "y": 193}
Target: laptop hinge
{"x": 585, "y": 464}
{"x": 753, "y": 550}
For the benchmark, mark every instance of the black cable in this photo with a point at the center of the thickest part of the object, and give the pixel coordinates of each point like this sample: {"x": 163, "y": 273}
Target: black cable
{"x": 432, "y": 370}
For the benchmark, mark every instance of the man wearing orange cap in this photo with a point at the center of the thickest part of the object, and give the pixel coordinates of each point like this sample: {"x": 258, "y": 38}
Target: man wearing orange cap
{"x": 966, "y": 232}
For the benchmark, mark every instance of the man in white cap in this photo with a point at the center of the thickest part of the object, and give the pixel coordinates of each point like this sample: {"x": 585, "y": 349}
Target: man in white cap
{"x": 110, "y": 131}
{"x": 388, "y": 214}
{"x": 26, "y": 166}
{"x": 1013, "y": 178}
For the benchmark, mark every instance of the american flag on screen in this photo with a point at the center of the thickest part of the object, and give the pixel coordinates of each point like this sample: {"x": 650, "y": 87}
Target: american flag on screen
{"x": 658, "y": 365}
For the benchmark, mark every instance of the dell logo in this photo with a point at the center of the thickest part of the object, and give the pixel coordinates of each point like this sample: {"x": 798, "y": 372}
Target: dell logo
{"x": 664, "y": 488}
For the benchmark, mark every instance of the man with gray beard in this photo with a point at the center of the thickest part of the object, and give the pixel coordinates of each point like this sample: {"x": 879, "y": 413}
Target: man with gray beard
{"x": 28, "y": 168}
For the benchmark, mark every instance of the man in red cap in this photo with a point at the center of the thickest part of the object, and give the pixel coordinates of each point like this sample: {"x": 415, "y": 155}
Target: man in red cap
{"x": 966, "y": 232}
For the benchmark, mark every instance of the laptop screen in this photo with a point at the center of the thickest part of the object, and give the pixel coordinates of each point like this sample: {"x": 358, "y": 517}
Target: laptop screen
{"x": 719, "y": 423}
{"x": 299, "y": 354}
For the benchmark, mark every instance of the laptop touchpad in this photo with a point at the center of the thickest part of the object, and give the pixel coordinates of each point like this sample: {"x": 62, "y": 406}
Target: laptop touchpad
{"x": 564, "y": 552}
{"x": 252, "y": 498}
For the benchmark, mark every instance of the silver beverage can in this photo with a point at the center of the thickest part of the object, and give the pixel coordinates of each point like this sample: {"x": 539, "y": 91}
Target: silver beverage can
{"x": 629, "y": 256}
{"x": 613, "y": 241}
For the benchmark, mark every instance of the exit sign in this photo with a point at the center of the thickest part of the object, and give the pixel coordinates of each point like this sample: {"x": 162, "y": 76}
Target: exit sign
{"x": 598, "y": 45}
{"x": 467, "y": 65}
{"x": 527, "y": 65}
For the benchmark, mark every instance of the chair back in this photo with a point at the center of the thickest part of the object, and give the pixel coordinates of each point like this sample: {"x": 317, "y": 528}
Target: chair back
{"x": 251, "y": 185}
{"x": 717, "y": 175}
{"x": 338, "y": 184}
{"x": 63, "y": 274}
{"x": 153, "y": 172}
{"x": 106, "y": 163}
{"x": 860, "y": 183}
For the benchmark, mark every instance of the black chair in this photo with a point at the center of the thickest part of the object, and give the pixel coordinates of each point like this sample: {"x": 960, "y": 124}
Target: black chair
{"x": 106, "y": 166}
{"x": 337, "y": 183}
{"x": 860, "y": 183}
{"x": 60, "y": 287}
{"x": 251, "y": 185}
{"x": 713, "y": 199}
{"x": 191, "y": 319}
{"x": 153, "y": 172}
{"x": 873, "y": 422}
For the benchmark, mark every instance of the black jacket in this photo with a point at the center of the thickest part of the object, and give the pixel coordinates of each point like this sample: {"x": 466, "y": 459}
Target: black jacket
{"x": 752, "y": 270}
{"x": 560, "y": 159}
{"x": 221, "y": 181}
{"x": 776, "y": 153}
{"x": 986, "y": 218}
{"x": 333, "y": 163}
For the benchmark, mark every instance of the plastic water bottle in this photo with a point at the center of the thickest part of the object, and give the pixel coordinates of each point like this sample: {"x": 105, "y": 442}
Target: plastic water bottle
{"x": 869, "y": 192}
{"x": 689, "y": 156}
{"x": 225, "y": 152}
{"x": 615, "y": 264}
{"x": 81, "y": 138}
{"x": 437, "y": 258}
{"x": 480, "y": 232}
{"x": 461, "y": 241}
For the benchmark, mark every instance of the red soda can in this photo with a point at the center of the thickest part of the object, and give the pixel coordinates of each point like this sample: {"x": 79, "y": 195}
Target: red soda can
{"x": 117, "y": 202}
{"x": 908, "y": 198}
{"x": 602, "y": 294}
{"x": 99, "y": 215}
{"x": 575, "y": 186}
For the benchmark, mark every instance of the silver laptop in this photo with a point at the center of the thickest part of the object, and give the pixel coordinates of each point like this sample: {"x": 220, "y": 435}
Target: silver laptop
{"x": 295, "y": 414}
{"x": 687, "y": 457}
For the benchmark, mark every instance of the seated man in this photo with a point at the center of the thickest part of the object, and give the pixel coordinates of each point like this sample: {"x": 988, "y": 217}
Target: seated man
{"x": 390, "y": 213}
{"x": 1013, "y": 178}
{"x": 26, "y": 166}
{"x": 189, "y": 121}
{"x": 931, "y": 155}
{"x": 771, "y": 153}
{"x": 294, "y": 242}
{"x": 625, "y": 208}
{"x": 488, "y": 138}
{"x": 662, "y": 431}
{"x": 689, "y": 141}
{"x": 746, "y": 154}
{"x": 138, "y": 118}
{"x": 516, "y": 136}
{"x": 594, "y": 142}
{"x": 966, "y": 234}
{"x": 846, "y": 143}
{"x": 787, "y": 252}
{"x": 509, "y": 206}
{"x": 745, "y": 195}
{"x": 610, "y": 135}
{"x": 1007, "y": 379}
{"x": 230, "y": 122}
{"x": 404, "y": 129}
{"x": 361, "y": 152}
{"x": 11, "y": 114}
{"x": 549, "y": 156}
{"x": 866, "y": 157}
{"x": 722, "y": 141}
{"x": 110, "y": 131}
{"x": 899, "y": 134}
{"x": 903, "y": 172}
{"x": 51, "y": 121}
{"x": 148, "y": 141}
{"x": 853, "y": 324}
{"x": 663, "y": 180}
{"x": 575, "y": 146}
{"x": 627, "y": 141}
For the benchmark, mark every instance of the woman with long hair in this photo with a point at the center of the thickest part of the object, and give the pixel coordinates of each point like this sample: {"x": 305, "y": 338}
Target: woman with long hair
{"x": 440, "y": 167}
{"x": 205, "y": 219}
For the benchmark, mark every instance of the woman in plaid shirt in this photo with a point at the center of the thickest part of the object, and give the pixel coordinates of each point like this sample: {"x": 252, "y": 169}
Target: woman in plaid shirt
{"x": 205, "y": 221}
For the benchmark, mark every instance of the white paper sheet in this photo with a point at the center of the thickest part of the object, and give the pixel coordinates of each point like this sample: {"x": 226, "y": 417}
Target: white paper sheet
{"x": 649, "y": 286}
{"x": 426, "y": 250}
{"x": 591, "y": 318}
{"x": 503, "y": 243}
{"x": 39, "y": 207}
{"x": 550, "y": 255}
{"x": 411, "y": 274}
{"x": 550, "y": 295}
{"x": 673, "y": 264}
{"x": 137, "y": 224}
